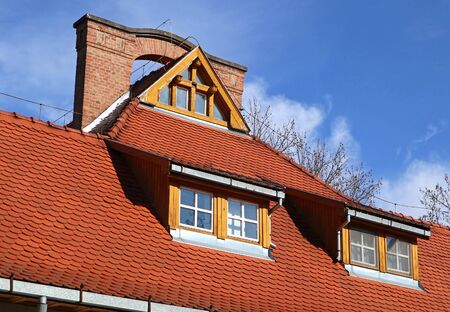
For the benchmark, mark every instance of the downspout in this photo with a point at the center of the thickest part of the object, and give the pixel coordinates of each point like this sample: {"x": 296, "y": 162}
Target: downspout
{"x": 277, "y": 205}
{"x": 42, "y": 307}
{"x": 339, "y": 241}
{"x": 272, "y": 210}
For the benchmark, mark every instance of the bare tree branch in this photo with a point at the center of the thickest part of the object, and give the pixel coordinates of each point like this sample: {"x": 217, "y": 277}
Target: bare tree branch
{"x": 331, "y": 166}
{"x": 437, "y": 201}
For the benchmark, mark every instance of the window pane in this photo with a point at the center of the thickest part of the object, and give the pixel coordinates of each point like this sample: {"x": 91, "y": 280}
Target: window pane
{"x": 368, "y": 240}
{"x": 234, "y": 208}
{"x": 250, "y": 212}
{"x": 187, "y": 197}
{"x": 392, "y": 262}
{"x": 403, "y": 248}
{"x": 164, "y": 95}
{"x": 404, "y": 264}
{"x": 369, "y": 256}
{"x": 204, "y": 220}
{"x": 356, "y": 237}
{"x": 204, "y": 201}
{"x": 200, "y": 103}
{"x": 199, "y": 79}
{"x": 187, "y": 216}
{"x": 390, "y": 244}
{"x": 217, "y": 113}
{"x": 251, "y": 230}
{"x": 185, "y": 74}
{"x": 234, "y": 227}
{"x": 356, "y": 253}
{"x": 182, "y": 98}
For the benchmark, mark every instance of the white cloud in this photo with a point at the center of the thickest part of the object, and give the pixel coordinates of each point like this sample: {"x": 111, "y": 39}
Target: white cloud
{"x": 307, "y": 117}
{"x": 405, "y": 188}
{"x": 431, "y": 131}
{"x": 341, "y": 133}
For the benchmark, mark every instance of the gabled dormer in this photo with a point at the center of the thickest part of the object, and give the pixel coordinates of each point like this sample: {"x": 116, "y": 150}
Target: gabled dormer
{"x": 190, "y": 87}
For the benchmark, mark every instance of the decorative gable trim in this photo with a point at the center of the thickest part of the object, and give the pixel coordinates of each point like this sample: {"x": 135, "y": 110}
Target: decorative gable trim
{"x": 196, "y": 59}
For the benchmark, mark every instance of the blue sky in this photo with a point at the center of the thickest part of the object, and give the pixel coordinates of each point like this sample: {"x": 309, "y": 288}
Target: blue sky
{"x": 374, "y": 74}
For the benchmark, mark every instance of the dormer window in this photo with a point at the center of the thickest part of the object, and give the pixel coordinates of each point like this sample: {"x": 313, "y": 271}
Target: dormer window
{"x": 193, "y": 94}
{"x": 381, "y": 250}
{"x": 217, "y": 113}
{"x": 196, "y": 209}
{"x": 363, "y": 248}
{"x": 242, "y": 219}
{"x": 164, "y": 95}
{"x": 182, "y": 98}
{"x": 398, "y": 255}
{"x": 200, "y": 103}
{"x": 191, "y": 87}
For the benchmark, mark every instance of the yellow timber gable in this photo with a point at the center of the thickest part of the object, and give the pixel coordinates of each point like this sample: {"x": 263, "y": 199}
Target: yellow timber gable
{"x": 192, "y": 88}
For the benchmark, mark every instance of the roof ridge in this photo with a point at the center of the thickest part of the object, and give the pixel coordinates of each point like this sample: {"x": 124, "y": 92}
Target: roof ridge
{"x": 121, "y": 120}
{"x": 302, "y": 168}
{"x": 51, "y": 125}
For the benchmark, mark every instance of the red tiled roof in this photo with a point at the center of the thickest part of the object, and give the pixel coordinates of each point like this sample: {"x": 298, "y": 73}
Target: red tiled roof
{"x": 72, "y": 214}
{"x": 205, "y": 146}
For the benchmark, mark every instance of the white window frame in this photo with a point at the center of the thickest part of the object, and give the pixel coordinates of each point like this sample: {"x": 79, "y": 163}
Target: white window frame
{"x": 196, "y": 210}
{"x": 187, "y": 98}
{"x": 204, "y": 103}
{"x": 362, "y": 246}
{"x": 398, "y": 255}
{"x": 243, "y": 219}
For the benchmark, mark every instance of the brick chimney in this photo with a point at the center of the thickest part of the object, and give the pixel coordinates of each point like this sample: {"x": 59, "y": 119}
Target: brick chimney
{"x": 105, "y": 55}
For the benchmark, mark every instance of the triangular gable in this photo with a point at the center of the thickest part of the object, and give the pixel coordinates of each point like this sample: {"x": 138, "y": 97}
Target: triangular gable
{"x": 191, "y": 87}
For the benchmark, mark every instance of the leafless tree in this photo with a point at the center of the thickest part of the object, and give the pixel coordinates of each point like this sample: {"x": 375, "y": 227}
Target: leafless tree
{"x": 437, "y": 201}
{"x": 332, "y": 166}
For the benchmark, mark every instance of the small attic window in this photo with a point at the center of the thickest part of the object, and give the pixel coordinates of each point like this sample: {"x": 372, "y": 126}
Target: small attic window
{"x": 182, "y": 98}
{"x": 198, "y": 79}
{"x": 363, "y": 248}
{"x": 242, "y": 219}
{"x": 185, "y": 74}
{"x": 218, "y": 113}
{"x": 200, "y": 103}
{"x": 196, "y": 209}
{"x": 398, "y": 255}
{"x": 382, "y": 250}
{"x": 164, "y": 95}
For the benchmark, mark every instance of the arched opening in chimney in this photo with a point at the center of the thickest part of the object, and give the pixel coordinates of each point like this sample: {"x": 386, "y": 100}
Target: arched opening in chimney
{"x": 146, "y": 64}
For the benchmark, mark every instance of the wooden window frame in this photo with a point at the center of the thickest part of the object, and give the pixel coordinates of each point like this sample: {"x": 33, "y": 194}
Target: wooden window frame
{"x": 381, "y": 235}
{"x": 410, "y": 256}
{"x": 196, "y": 209}
{"x": 193, "y": 88}
{"x": 243, "y": 219}
{"x": 220, "y": 210}
{"x": 375, "y": 248}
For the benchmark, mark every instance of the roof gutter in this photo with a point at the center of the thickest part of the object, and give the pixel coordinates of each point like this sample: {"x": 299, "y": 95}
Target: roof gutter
{"x": 73, "y": 296}
{"x": 388, "y": 222}
{"x": 227, "y": 181}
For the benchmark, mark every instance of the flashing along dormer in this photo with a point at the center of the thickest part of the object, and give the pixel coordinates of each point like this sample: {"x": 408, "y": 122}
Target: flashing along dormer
{"x": 381, "y": 246}
{"x": 190, "y": 87}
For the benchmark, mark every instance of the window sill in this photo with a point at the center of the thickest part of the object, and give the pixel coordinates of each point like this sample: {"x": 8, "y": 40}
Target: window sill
{"x": 389, "y": 278}
{"x": 228, "y": 245}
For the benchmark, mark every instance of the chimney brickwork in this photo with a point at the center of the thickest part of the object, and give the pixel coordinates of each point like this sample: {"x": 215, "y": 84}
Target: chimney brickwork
{"x": 105, "y": 55}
